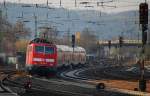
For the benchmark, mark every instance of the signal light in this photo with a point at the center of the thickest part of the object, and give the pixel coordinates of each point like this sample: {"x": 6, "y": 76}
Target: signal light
{"x": 143, "y": 13}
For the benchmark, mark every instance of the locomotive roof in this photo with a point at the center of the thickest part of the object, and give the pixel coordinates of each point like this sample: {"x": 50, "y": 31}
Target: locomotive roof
{"x": 68, "y": 48}
{"x": 40, "y": 40}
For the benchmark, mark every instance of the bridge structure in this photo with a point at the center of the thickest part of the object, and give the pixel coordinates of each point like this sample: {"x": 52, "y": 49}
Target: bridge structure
{"x": 130, "y": 49}
{"x": 115, "y": 43}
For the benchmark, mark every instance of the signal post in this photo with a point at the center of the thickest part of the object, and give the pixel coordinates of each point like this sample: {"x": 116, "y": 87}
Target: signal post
{"x": 73, "y": 46}
{"x": 143, "y": 21}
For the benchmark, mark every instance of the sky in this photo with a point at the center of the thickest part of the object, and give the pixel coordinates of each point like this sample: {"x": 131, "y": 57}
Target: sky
{"x": 115, "y": 6}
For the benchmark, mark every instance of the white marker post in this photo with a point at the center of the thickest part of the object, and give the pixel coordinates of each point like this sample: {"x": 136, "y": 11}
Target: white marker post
{"x": 17, "y": 67}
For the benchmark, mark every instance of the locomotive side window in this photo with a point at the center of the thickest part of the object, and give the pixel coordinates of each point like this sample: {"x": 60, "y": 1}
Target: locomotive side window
{"x": 49, "y": 50}
{"x": 39, "y": 49}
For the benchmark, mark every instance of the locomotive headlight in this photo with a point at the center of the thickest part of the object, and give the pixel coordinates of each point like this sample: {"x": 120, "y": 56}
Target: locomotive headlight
{"x": 49, "y": 60}
{"x": 42, "y": 59}
{"x": 37, "y": 59}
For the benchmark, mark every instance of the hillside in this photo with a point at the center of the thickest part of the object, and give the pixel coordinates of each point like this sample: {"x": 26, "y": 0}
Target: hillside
{"x": 105, "y": 26}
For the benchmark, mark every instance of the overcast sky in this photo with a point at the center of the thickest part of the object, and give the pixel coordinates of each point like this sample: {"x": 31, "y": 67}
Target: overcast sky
{"x": 116, "y": 5}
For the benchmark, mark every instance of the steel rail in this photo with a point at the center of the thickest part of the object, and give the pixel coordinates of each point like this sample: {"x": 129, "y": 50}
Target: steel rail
{"x": 37, "y": 88}
{"x": 5, "y": 77}
{"x": 129, "y": 92}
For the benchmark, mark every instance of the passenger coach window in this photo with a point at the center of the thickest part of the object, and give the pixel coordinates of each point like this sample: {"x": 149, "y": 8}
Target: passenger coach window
{"x": 49, "y": 50}
{"x": 39, "y": 49}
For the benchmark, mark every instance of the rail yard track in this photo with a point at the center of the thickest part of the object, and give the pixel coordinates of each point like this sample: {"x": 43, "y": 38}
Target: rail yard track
{"x": 71, "y": 83}
{"x": 17, "y": 88}
{"x": 107, "y": 74}
{"x": 55, "y": 86}
{"x": 4, "y": 75}
{"x": 16, "y": 85}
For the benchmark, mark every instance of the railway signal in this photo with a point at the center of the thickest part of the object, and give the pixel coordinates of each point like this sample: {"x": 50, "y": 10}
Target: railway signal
{"x": 143, "y": 20}
{"x": 143, "y": 12}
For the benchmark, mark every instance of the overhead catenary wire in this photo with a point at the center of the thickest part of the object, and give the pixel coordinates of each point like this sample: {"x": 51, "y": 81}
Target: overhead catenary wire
{"x": 86, "y": 4}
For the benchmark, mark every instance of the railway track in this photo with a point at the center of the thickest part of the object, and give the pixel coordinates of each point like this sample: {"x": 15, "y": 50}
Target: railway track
{"x": 89, "y": 89}
{"x": 73, "y": 75}
{"x": 122, "y": 73}
{"x": 57, "y": 89}
{"x": 76, "y": 76}
{"x": 60, "y": 87}
{"x": 6, "y": 91}
{"x": 74, "y": 84}
{"x": 16, "y": 86}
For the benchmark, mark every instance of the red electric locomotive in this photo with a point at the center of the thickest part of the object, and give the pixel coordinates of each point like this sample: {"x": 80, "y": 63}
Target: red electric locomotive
{"x": 41, "y": 57}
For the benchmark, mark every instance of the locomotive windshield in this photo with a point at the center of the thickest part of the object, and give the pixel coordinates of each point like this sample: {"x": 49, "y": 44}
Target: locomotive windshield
{"x": 39, "y": 49}
{"x": 44, "y": 49}
{"x": 49, "y": 50}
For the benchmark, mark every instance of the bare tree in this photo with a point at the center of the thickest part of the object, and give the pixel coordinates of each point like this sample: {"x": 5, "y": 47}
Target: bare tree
{"x": 10, "y": 34}
{"x": 20, "y": 31}
{"x": 5, "y": 28}
{"x": 88, "y": 40}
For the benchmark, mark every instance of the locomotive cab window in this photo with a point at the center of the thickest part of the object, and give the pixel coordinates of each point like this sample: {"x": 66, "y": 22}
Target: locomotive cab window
{"x": 39, "y": 49}
{"x": 49, "y": 50}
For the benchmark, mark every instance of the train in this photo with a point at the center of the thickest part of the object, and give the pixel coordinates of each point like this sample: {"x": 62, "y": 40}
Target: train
{"x": 45, "y": 58}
